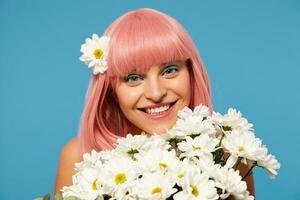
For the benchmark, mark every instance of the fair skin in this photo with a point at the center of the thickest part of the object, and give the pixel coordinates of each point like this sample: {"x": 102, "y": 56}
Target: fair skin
{"x": 68, "y": 157}
{"x": 150, "y": 101}
{"x": 165, "y": 86}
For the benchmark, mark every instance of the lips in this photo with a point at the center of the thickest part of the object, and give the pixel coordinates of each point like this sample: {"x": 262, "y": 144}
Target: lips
{"x": 153, "y": 111}
{"x": 158, "y": 108}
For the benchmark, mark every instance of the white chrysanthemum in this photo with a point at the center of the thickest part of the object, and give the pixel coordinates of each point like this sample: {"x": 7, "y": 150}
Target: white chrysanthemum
{"x": 197, "y": 186}
{"x": 244, "y": 145}
{"x": 169, "y": 134}
{"x": 74, "y": 191}
{"x": 92, "y": 159}
{"x": 155, "y": 186}
{"x": 125, "y": 193}
{"x": 156, "y": 142}
{"x": 247, "y": 196}
{"x": 118, "y": 173}
{"x": 230, "y": 182}
{"x": 200, "y": 111}
{"x": 95, "y": 53}
{"x": 270, "y": 163}
{"x": 191, "y": 123}
{"x": 131, "y": 145}
{"x": 233, "y": 120}
{"x": 181, "y": 169}
{"x": 193, "y": 126}
{"x": 200, "y": 146}
{"x": 86, "y": 184}
{"x": 158, "y": 160}
{"x": 106, "y": 155}
{"x": 207, "y": 165}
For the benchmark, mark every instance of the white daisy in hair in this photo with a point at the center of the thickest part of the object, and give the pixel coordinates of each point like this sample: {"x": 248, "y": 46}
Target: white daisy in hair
{"x": 230, "y": 182}
{"x": 233, "y": 120}
{"x": 244, "y": 145}
{"x": 95, "y": 53}
{"x": 200, "y": 146}
{"x": 270, "y": 163}
{"x": 130, "y": 145}
{"x": 197, "y": 186}
{"x": 155, "y": 186}
{"x": 158, "y": 160}
{"x": 87, "y": 184}
{"x": 118, "y": 173}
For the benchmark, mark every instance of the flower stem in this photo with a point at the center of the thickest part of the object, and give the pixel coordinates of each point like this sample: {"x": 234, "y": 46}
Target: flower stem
{"x": 221, "y": 138}
{"x": 250, "y": 169}
{"x": 237, "y": 163}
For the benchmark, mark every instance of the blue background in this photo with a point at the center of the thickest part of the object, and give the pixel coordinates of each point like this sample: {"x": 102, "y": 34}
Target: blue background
{"x": 251, "y": 50}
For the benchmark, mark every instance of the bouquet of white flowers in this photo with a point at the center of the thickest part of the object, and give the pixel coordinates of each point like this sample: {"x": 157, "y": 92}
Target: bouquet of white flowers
{"x": 198, "y": 158}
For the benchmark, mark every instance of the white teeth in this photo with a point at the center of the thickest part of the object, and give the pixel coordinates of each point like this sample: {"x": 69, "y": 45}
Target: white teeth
{"x": 153, "y": 111}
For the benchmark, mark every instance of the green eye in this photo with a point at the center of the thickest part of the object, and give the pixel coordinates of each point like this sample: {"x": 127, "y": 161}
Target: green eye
{"x": 170, "y": 69}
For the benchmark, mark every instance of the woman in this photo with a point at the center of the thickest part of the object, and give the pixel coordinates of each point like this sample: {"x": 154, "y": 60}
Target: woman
{"x": 153, "y": 70}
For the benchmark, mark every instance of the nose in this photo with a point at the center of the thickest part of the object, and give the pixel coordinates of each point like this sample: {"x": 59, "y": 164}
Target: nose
{"x": 155, "y": 90}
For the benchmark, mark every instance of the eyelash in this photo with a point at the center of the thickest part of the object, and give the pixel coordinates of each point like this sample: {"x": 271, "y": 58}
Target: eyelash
{"x": 172, "y": 68}
{"x": 169, "y": 69}
{"x": 128, "y": 78}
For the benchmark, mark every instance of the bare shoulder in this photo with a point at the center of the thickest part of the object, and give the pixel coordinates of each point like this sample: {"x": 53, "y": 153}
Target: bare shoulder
{"x": 69, "y": 155}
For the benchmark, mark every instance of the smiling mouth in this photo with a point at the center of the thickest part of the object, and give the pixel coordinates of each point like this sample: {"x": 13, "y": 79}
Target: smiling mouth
{"x": 157, "y": 110}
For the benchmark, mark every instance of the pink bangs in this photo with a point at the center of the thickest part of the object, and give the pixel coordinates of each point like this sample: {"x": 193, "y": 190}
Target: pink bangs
{"x": 148, "y": 39}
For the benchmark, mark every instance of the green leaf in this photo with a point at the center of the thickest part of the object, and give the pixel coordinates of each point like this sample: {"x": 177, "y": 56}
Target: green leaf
{"x": 47, "y": 197}
{"x": 72, "y": 198}
{"x": 58, "y": 196}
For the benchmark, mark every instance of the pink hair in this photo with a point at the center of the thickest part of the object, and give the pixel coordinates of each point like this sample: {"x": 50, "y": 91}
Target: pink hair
{"x": 138, "y": 40}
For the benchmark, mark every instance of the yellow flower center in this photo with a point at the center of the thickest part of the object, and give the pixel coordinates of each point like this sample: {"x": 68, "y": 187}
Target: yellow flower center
{"x": 156, "y": 190}
{"x": 94, "y": 184}
{"x": 163, "y": 165}
{"x": 195, "y": 190}
{"x": 241, "y": 149}
{"x": 181, "y": 175}
{"x": 120, "y": 178}
{"x": 98, "y": 53}
{"x": 196, "y": 148}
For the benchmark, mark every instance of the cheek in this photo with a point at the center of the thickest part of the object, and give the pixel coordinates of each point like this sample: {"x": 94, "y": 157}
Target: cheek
{"x": 183, "y": 87}
{"x": 127, "y": 97}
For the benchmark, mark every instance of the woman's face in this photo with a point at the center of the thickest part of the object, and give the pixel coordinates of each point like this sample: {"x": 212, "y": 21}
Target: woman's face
{"x": 151, "y": 101}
